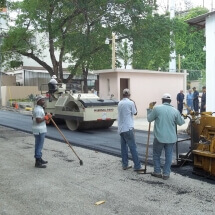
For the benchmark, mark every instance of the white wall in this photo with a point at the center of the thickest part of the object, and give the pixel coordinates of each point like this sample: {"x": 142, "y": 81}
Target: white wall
{"x": 210, "y": 62}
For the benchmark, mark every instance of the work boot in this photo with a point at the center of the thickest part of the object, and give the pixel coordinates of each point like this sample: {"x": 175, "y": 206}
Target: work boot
{"x": 43, "y": 162}
{"x": 39, "y": 164}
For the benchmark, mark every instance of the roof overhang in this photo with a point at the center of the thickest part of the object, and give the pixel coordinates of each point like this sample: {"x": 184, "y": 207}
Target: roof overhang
{"x": 199, "y": 21}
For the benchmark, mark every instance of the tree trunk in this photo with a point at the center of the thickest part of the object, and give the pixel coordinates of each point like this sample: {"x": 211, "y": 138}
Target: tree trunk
{"x": 85, "y": 74}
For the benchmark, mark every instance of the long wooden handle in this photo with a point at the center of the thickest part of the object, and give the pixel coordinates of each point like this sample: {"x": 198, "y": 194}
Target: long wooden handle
{"x": 64, "y": 137}
{"x": 147, "y": 146}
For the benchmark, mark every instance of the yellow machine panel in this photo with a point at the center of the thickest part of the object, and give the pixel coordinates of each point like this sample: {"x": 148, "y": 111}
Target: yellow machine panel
{"x": 204, "y": 143}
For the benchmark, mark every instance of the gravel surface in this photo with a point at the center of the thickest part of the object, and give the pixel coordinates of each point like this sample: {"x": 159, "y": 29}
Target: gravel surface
{"x": 65, "y": 187}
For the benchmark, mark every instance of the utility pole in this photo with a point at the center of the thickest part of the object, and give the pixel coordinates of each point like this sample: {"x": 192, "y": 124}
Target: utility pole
{"x": 179, "y": 63}
{"x": 172, "y": 63}
{"x": 113, "y": 51}
{"x": 0, "y": 71}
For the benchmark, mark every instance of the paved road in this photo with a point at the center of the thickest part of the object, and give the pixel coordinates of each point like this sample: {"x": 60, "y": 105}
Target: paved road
{"x": 104, "y": 140}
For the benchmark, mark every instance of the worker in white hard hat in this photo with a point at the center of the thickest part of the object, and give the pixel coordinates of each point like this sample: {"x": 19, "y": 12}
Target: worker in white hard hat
{"x": 54, "y": 82}
{"x": 166, "y": 119}
{"x": 39, "y": 129}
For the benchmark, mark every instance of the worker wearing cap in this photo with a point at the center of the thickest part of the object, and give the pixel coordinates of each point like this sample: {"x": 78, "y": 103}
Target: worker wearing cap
{"x": 53, "y": 81}
{"x": 126, "y": 110}
{"x": 39, "y": 130}
{"x": 166, "y": 119}
{"x": 195, "y": 100}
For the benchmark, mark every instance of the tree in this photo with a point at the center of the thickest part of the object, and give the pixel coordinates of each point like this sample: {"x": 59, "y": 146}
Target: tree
{"x": 151, "y": 46}
{"x": 190, "y": 42}
{"x": 2, "y": 3}
{"x": 75, "y": 28}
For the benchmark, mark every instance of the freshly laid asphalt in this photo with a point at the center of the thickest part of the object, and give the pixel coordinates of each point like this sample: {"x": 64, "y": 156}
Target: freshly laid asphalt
{"x": 65, "y": 187}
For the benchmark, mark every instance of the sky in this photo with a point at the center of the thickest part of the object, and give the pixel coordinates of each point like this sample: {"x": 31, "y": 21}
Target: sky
{"x": 181, "y": 4}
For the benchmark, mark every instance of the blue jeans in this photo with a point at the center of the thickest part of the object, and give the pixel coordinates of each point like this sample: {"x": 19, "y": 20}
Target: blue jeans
{"x": 157, "y": 150}
{"x": 39, "y": 141}
{"x": 127, "y": 140}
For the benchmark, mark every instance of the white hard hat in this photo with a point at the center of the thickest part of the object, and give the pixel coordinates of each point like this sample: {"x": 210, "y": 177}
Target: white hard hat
{"x": 39, "y": 97}
{"x": 54, "y": 76}
{"x": 166, "y": 96}
{"x": 126, "y": 92}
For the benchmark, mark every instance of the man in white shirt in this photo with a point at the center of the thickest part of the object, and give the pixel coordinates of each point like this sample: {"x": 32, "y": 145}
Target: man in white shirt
{"x": 39, "y": 130}
{"x": 126, "y": 110}
{"x": 54, "y": 82}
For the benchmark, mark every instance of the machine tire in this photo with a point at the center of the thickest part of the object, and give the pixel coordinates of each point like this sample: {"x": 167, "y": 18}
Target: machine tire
{"x": 72, "y": 125}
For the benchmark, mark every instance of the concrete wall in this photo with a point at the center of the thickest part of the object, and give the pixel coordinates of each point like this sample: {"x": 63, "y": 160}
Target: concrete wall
{"x": 17, "y": 92}
{"x": 145, "y": 86}
{"x": 8, "y": 80}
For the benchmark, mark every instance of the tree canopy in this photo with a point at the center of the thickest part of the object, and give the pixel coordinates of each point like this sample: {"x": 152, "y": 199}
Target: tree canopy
{"x": 152, "y": 43}
{"x": 74, "y": 31}
{"x": 189, "y": 43}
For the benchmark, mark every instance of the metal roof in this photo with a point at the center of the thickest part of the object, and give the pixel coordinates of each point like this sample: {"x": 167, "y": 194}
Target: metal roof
{"x": 199, "y": 21}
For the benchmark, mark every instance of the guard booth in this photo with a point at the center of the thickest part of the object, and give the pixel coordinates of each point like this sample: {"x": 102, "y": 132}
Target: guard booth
{"x": 145, "y": 85}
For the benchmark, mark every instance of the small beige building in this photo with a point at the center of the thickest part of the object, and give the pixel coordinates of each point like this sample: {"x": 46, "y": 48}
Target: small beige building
{"x": 145, "y": 86}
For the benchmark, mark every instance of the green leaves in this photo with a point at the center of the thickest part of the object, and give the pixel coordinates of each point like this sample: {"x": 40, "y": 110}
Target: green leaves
{"x": 2, "y": 3}
{"x": 190, "y": 42}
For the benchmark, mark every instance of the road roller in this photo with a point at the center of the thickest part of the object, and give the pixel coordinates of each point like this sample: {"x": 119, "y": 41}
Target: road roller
{"x": 81, "y": 111}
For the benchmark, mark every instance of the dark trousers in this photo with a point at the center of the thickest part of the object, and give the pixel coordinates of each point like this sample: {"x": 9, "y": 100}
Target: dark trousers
{"x": 196, "y": 105}
{"x": 180, "y": 107}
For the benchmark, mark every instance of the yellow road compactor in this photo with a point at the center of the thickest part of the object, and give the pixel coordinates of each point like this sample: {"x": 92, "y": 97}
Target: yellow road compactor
{"x": 81, "y": 110}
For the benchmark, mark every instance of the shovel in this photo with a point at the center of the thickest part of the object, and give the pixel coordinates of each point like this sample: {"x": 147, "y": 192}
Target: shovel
{"x": 147, "y": 150}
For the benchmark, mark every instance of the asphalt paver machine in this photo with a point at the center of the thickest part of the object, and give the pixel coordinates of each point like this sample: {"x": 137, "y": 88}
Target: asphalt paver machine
{"x": 202, "y": 149}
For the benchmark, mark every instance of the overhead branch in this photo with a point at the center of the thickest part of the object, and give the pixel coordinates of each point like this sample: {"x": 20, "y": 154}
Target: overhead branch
{"x": 42, "y": 63}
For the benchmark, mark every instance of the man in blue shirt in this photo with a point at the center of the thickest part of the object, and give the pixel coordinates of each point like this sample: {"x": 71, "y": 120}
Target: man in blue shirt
{"x": 166, "y": 119}
{"x": 189, "y": 101}
{"x": 126, "y": 110}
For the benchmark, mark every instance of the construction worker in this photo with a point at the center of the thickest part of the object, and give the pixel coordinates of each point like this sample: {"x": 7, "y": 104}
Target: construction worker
{"x": 203, "y": 100}
{"x": 54, "y": 82}
{"x": 94, "y": 91}
{"x": 195, "y": 100}
{"x": 39, "y": 130}
{"x": 126, "y": 110}
{"x": 180, "y": 101}
{"x": 189, "y": 100}
{"x": 166, "y": 119}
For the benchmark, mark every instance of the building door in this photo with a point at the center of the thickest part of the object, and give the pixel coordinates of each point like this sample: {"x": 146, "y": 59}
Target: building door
{"x": 124, "y": 83}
